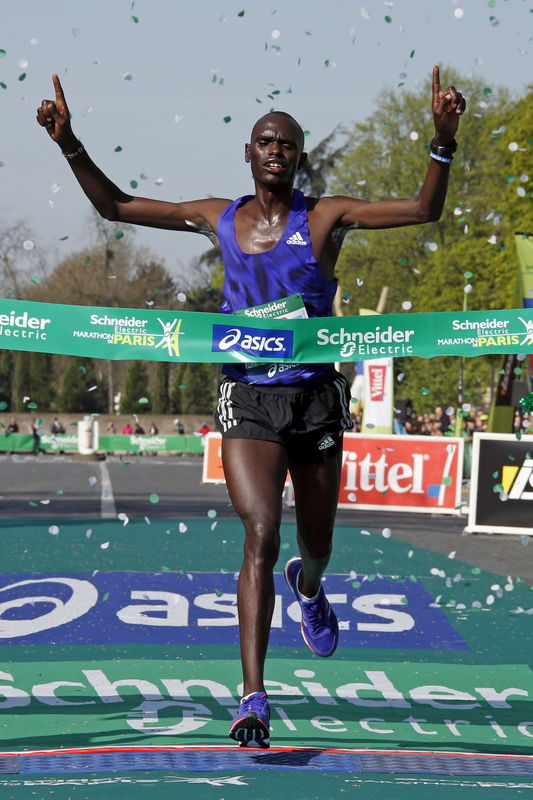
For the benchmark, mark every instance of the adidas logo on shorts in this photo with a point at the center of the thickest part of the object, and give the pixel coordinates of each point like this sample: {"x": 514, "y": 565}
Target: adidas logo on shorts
{"x": 296, "y": 238}
{"x": 326, "y": 442}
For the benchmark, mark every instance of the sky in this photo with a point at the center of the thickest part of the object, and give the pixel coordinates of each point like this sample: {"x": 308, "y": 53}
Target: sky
{"x": 177, "y": 86}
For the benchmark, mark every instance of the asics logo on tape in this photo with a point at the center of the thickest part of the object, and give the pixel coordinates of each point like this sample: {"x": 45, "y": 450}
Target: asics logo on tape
{"x": 296, "y": 238}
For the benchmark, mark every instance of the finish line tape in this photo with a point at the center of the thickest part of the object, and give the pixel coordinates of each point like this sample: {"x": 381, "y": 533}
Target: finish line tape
{"x": 185, "y": 336}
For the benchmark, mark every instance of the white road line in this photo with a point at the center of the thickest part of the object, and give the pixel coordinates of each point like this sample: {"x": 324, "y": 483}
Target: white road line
{"x": 107, "y": 500}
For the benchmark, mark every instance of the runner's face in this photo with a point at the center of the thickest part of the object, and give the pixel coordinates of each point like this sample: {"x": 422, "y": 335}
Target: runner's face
{"x": 275, "y": 152}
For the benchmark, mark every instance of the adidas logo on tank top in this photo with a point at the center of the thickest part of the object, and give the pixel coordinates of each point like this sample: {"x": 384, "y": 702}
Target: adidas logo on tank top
{"x": 296, "y": 238}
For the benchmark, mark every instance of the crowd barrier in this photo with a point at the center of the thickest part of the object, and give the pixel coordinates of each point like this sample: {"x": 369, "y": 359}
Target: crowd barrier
{"x": 116, "y": 443}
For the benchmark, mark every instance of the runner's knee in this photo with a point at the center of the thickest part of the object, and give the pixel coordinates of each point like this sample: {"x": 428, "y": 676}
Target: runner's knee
{"x": 262, "y": 542}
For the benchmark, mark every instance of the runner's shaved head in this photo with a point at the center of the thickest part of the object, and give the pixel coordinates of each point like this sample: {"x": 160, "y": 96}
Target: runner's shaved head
{"x": 272, "y": 115}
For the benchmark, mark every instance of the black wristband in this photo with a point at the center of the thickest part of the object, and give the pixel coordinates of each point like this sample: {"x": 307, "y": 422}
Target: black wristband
{"x": 441, "y": 150}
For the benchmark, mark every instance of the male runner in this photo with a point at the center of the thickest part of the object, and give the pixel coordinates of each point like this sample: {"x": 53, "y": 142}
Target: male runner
{"x": 275, "y": 243}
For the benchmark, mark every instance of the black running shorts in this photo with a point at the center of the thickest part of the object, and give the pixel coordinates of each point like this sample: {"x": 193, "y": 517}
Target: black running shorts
{"x": 308, "y": 422}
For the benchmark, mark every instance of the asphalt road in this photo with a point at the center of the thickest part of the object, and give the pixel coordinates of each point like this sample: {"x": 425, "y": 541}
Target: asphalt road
{"x": 63, "y": 488}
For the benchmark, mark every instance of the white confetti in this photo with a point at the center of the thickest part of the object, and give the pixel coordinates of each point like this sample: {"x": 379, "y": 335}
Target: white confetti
{"x": 54, "y": 188}
{"x": 275, "y": 34}
{"x": 452, "y": 554}
{"x": 521, "y": 192}
{"x": 431, "y": 246}
{"x": 158, "y": 181}
{"x": 92, "y": 480}
{"x": 364, "y": 533}
{"x": 182, "y": 527}
{"x": 386, "y": 533}
{"x": 53, "y": 529}
{"x": 513, "y": 146}
{"x": 352, "y": 497}
{"x": 181, "y": 297}
{"x": 410, "y": 553}
{"x": 88, "y": 533}
{"x": 414, "y": 136}
{"x": 490, "y": 599}
{"x": 28, "y": 244}
{"x": 364, "y": 13}
{"x": 123, "y": 518}
{"x": 104, "y": 545}
{"x": 407, "y": 305}
{"x": 214, "y": 524}
{"x": 524, "y": 178}
{"x": 492, "y": 239}
{"x": 458, "y": 13}
{"x": 44, "y": 502}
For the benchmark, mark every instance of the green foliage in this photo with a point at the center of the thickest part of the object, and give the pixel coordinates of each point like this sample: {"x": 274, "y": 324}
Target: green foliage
{"x": 195, "y": 392}
{"x": 33, "y": 379}
{"x": 424, "y": 265}
{"x": 78, "y": 393}
{"x": 135, "y": 389}
{"x": 161, "y": 404}
{"x": 6, "y": 377}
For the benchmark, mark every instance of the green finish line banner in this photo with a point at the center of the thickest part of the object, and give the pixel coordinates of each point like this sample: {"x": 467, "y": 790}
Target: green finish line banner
{"x": 161, "y": 335}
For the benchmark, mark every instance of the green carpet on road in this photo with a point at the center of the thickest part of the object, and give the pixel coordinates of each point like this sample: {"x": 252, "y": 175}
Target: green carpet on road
{"x": 475, "y": 697}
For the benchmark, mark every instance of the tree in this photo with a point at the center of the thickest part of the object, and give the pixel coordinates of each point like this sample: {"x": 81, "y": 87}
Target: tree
{"x": 6, "y": 379}
{"x": 135, "y": 390}
{"x": 161, "y": 404}
{"x": 21, "y": 259}
{"x": 198, "y": 389}
{"x": 81, "y": 392}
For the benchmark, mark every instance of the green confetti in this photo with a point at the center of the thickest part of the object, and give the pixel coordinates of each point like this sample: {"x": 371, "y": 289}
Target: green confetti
{"x": 425, "y": 391}
{"x": 105, "y": 597}
{"x": 119, "y": 234}
{"x": 487, "y": 90}
{"x": 241, "y": 13}
{"x": 143, "y": 401}
{"x": 60, "y": 492}
{"x": 519, "y": 435}
{"x": 63, "y": 239}
{"x": 35, "y": 278}
{"x": 3, "y": 85}
{"x": 22, "y": 76}
{"x": 475, "y": 571}
{"x": 134, "y": 19}
{"x": 356, "y": 584}
{"x": 469, "y": 275}
{"x": 327, "y": 62}
{"x": 214, "y": 79}
{"x": 154, "y": 498}
{"x": 227, "y": 119}
{"x": 218, "y": 593}
{"x": 388, "y": 19}
{"x": 87, "y": 260}
{"x": 446, "y": 481}
{"x": 3, "y": 53}
{"x": 32, "y": 503}
{"x": 495, "y": 474}
{"x": 3, "y": 405}
{"x": 307, "y": 133}
{"x": 183, "y": 386}
{"x": 492, "y": 4}
{"x": 497, "y": 488}
{"x": 32, "y": 405}
{"x": 411, "y": 54}
{"x": 118, "y": 149}
{"x": 133, "y": 184}
{"x": 211, "y": 513}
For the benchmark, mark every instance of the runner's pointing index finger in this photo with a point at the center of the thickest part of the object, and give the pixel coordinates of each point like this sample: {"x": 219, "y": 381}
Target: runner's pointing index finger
{"x": 60, "y": 97}
{"x": 436, "y": 82}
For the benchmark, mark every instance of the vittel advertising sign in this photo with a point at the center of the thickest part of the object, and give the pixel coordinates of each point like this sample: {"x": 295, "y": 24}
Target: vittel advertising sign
{"x": 401, "y": 473}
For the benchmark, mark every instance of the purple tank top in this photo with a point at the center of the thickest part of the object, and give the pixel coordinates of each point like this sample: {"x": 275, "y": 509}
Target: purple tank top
{"x": 288, "y": 268}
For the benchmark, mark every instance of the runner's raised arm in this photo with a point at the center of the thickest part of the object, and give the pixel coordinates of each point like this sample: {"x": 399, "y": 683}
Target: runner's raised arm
{"x": 199, "y": 216}
{"x": 427, "y": 204}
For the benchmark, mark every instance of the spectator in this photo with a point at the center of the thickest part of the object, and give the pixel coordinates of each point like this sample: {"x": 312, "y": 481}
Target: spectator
{"x": 442, "y": 418}
{"x": 36, "y": 431}
{"x": 111, "y": 428}
{"x": 178, "y": 426}
{"x": 413, "y": 424}
{"x": 127, "y": 429}
{"x": 56, "y": 426}
{"x": 12, "y": 426}
{"x": 139, "y": 430}
{"x": 203, "y": 429}
{"x": 153, "y": 430}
